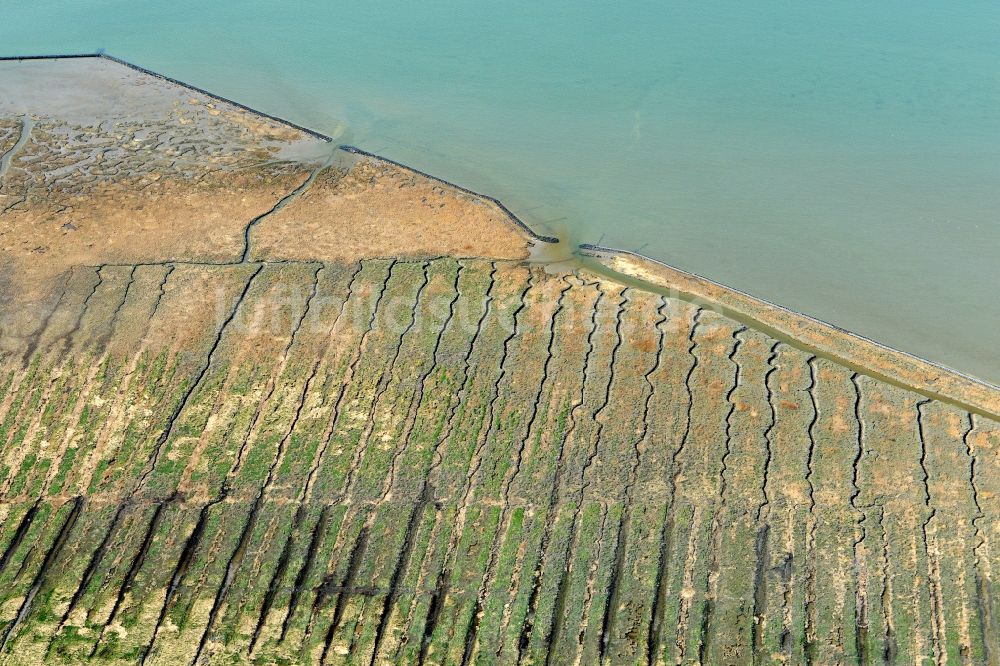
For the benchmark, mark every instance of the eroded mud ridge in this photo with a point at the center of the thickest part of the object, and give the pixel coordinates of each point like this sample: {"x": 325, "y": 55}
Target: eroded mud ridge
{"x": 463, "y": 459}
{"x": 275, "y": 448}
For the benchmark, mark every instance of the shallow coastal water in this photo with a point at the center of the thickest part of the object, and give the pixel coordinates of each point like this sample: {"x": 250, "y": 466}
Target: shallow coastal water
{"x": 841, "y": 159}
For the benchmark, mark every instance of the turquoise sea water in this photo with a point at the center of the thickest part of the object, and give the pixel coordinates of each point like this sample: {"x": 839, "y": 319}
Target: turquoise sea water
{"x": 840, "y": 158}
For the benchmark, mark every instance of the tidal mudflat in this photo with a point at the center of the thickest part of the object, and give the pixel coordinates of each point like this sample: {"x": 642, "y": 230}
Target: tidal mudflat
{"x": 267, "y": 400}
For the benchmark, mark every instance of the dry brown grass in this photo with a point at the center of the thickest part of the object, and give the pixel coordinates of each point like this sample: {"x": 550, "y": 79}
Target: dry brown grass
{"x": 380, "y": 210}
{"x": 132, "y": 221}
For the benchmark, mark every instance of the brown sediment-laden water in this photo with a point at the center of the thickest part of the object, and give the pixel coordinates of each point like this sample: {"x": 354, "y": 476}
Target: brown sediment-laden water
{"x": 267, "y": 400}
